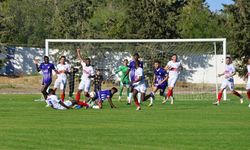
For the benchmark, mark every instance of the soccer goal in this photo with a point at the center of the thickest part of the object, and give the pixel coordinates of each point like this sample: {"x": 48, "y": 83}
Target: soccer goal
{"x": 202, "y": 59}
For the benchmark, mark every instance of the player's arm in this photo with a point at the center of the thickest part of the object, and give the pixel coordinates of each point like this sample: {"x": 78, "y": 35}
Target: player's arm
{"x": 111, "y": 102}
{"x": 61, "y": 103}
{"x": 37, "y": 67}
{"x": 165, "y": 79}
{"x": 126, "y": 74}
{"x": 79, "y": 55}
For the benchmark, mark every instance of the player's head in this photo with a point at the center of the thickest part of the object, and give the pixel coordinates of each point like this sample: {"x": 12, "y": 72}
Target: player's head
{"x": 125, "y": 62}
{"x": 62, "y": 59}
{"x": 228, "y": 60}
{"x": 113, "y": 90}
{"x": 137, "y": 64}
{"x": 136, "y": 56}
{"x": 46, "y": 59}
{"x": 157, "y": 64}
{"x": 51, "y": 92}
{"x": 174, "y": 57}
{"x": 98, "y": 72}
{"x": 88, "y": 61}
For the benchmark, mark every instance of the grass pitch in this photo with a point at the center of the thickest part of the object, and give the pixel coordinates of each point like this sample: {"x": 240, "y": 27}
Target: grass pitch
{"x": 189, "y": 125}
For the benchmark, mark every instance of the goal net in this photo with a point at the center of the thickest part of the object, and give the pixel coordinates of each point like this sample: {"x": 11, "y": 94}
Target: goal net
{"x": 202, "y": 60}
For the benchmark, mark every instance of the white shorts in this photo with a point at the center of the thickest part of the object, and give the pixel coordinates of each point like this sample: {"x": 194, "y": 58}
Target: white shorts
{"x": 60, "y": 83}
{"x": 84, "y": 85}
{"x": 248, "y": 83}
{"x": 67, "y": 103}
{"x": 228, "y": 83}
{"x": 172, "y": 81}
{"x": 140, "y": 88}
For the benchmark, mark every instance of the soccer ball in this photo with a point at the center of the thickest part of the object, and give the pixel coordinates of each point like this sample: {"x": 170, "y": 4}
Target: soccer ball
{"x": 92, "y": 94}
{"x": 96, "y": 107}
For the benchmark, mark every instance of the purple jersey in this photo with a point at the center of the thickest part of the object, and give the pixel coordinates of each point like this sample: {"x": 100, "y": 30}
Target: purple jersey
{"x": 160, "y": 75}
{"x": 47, "y": 72}
{"x": 132, "y": 69}
{"x": 103, "y": 95}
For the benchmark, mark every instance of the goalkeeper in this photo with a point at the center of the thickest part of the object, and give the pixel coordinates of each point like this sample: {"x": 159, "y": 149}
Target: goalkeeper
{"x": 124, "y": 82}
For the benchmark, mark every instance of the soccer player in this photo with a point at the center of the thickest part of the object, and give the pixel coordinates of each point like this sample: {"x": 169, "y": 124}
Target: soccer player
{"x": 159, "y": 82}
{"x": 87, "y": 73}
{"x": 46, "y": 67}
{"x": 138, "y": 84}
{"x": 61, "y": 81}
{"x": 124, "y": 80}
{"x": 55, "y": 103}
{"x": 173, "y": 67}
{"x": 131, "y": 73}
{"x": 228, "y": 81}
{"x": 72, "y": 73}
{"x": 248, "y": 81}
{"x": 102, "y": 95}
{"x": 98, "y": 81}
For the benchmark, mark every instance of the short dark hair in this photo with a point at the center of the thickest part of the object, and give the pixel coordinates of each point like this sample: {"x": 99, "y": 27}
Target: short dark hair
{"x": 114, "y": 89}
{"x": 228, "y": 57}
{"x": 51, "y": 91}
{"x": 46, "y": 57}
{"x": 88, "y": 59}
{"x": 62, "y": 57}
{"x": 125, "y": 60}
{"x": 157, "y": 61}
{"x": 136, "y": 54}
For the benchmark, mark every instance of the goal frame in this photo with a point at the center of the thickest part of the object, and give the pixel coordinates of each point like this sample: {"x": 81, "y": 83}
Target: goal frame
{"x": 212, "y": 40}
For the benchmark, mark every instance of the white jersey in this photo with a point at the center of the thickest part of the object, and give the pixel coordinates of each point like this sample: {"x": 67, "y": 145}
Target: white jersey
{"x": 87, "y": 71}
{"x": 61, "y": 67}
{"x": 174, "y": 70}
{"x": 229, "y": 70}
{"x": 139, "y": 73}
{"x": 53, "y": 101}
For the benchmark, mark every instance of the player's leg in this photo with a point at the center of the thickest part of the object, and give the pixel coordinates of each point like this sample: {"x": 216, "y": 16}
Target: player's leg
{"x": 220, "y": 93}
{"x": 135, "y": 92}
{"x": 131, "y": 89}
{"x": 120, "y": 90}
{"x": 86, "y": 90}
{"x": 127, "y": 86}
{"x": 62, "y": 88}
{"x": 44, "y": 89}
{"x": 142, "y": 91}
{"x": 231, "y": 87}
{"x": 80, "y": 88}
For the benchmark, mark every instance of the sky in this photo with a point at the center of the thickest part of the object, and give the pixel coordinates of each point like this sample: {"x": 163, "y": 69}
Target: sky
{"x": 217, "y": 4}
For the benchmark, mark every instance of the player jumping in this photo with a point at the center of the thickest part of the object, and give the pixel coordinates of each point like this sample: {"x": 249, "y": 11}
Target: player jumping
{"x": 87, "y": 73}
{"x": 173, "y": 67}
{"x": 228, "y": 81}
{"x": 46, "y": 67}
{"x": 159, "y": 82}
{"x": 61, "y": 80}
{"x": 248, "y": 81}
{"x": 124, "y": 80}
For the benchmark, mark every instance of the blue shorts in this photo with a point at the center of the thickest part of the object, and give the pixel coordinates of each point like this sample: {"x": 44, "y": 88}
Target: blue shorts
{"x": 161, "y": 86}
{"x": 46, "y": 82}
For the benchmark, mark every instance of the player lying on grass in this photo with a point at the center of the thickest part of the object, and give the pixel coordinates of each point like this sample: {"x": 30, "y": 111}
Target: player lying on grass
{"x": 55, "y": 103}
{"x": 228, "y": 81}
{"x": 159, "y": 82}
{"x": 124, "y": 80}
{"x": 61, "y": 81}
{"x": 97, "y": 98}
{"x": 173, "y": 67}
{"x": 248, "y": 81}
{"x": 46, "y": 67}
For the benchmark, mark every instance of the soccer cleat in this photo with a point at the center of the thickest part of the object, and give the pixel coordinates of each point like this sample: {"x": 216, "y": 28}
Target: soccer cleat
{"x": 150, "y": 104}
{"x": 78, "y": 107}
{"x": 216, "y": 103}
{"x": 164, "y": 101}
{"x": 171, "y": 100}
{"x": 47, "y": 105}
{"x": 241, "y": 100}
{"x": 138, "y": 108}
{"x": 128, "y": 103}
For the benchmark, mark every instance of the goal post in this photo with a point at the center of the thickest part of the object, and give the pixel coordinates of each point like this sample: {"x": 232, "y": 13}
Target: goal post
{"x": 180, "y": 44}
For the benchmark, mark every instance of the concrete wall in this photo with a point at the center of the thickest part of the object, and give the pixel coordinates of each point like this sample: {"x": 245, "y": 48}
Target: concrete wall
{"x": 197, "y": 68}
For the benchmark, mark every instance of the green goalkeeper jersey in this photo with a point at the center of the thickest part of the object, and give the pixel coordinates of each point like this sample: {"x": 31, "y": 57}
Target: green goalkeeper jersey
{"x": 123, "y": 69}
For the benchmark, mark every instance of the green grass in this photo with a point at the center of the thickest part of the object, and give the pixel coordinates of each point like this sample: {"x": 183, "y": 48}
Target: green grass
{"x": 188, "y": 125}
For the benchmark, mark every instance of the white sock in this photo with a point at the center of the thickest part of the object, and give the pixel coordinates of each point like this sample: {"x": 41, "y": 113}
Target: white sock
{"x": 139, "y": 97}
{"x": 129, "y": 97}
